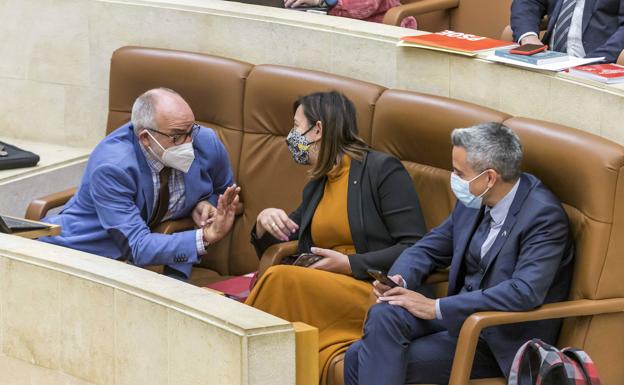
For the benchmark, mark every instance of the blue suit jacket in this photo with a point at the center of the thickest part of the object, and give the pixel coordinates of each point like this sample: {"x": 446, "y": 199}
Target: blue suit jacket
{"x": 603, "y": 24}
{"x": 529, "y": 264}
{"x": 107, "y": 216}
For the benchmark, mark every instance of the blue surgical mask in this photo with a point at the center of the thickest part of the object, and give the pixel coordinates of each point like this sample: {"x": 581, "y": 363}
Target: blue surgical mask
{"x": 461, "y": 189}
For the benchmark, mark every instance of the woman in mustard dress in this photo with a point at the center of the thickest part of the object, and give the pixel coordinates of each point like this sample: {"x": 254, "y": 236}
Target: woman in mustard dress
{"x": 359, "y": 211}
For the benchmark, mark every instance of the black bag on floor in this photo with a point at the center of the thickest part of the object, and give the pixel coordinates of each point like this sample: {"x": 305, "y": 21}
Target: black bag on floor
{"x": 14, "y": 157}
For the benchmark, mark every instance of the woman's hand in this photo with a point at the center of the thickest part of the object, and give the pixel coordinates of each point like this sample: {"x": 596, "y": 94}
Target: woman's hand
{"x": 332, "y": 261}
{"x": 277, "y": 223}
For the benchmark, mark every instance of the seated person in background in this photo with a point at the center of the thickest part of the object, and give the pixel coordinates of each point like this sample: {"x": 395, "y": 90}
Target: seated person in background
{"x": 160, "y": 166}
{"x": 509, "y": 248}
{"x": 359, "y": 211}
{"x": 582, "y": 28}
{"x": 369, "y": 10}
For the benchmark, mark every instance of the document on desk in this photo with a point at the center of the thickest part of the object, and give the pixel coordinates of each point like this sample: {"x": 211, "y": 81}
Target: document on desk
{"x": 454, "y": 42}
{"x": 554, "y": 67}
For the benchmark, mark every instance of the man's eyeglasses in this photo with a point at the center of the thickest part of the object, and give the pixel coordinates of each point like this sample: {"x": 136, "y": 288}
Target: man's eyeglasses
{"x": 180, "y": 138}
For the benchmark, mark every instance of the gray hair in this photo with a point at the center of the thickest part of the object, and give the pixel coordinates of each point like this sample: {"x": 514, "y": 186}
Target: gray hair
{"x": 144, "y": 109}
{"x": 491, "y": 146}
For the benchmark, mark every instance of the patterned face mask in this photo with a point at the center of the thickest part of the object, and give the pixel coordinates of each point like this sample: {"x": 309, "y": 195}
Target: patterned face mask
{"x": 299, "y": 146}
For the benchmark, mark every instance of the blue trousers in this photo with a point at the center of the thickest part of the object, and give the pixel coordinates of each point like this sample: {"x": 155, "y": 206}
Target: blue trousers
{"x": 398, "y": 348}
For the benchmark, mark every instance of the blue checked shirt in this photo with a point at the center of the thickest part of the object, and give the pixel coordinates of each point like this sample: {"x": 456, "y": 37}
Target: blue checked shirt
{"x": 176, "y": 193}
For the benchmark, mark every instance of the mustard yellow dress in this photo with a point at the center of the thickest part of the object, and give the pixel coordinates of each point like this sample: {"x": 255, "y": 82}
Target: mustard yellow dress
{"x": 336, "y": 304}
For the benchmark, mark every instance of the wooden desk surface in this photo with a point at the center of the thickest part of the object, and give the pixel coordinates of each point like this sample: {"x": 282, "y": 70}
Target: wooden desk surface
{"x": 34, "y": 234}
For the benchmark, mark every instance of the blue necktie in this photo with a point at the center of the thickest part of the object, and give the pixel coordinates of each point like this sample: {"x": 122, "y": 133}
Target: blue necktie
{"x": 562, "y": 26}
{"x": 479, "y": 236}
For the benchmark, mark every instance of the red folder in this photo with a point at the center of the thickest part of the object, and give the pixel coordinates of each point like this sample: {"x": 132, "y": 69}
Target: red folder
{"x": 456, "y": 41}
{"x": 237, "y": 288}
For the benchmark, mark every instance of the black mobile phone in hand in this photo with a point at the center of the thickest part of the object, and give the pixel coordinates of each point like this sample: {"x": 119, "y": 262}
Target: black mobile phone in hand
{"x": 382, "y": 277}
{"x": 307, "y": 259}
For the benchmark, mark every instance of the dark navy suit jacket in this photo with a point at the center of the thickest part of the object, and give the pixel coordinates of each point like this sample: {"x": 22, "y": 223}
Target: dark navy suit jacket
{"x": 529, "y": 264}
{"x": 107, "y": 216}
{"x": 603, "y": 24}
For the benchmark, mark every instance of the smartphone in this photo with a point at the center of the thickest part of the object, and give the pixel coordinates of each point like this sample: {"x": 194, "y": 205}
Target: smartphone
{"x": 528, "y": 49}
{"x": 307, "y": 259}
{"x": 382, "y": 277}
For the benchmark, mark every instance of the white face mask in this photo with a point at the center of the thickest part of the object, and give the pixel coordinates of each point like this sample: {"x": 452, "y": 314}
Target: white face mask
{"x": 179, "y": 157}
{"x": 461, "y": 189}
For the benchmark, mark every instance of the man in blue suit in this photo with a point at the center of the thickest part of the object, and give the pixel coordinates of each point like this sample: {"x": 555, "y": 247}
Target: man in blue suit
{"x": 508, "y": 246}
{"x": 582, "y": 28}
{"x": 160, "y": 166}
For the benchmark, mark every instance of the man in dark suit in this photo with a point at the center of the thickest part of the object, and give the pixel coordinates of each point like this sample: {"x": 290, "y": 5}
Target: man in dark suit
{"x": 508, "y": 246}
{"x": 582, "y": 28}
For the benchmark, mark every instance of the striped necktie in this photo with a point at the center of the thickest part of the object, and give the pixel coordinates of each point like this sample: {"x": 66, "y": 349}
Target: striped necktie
{"x": 479, "y": 236}
{"x": 562, "y": 27}
{"x": 162, "y": 204}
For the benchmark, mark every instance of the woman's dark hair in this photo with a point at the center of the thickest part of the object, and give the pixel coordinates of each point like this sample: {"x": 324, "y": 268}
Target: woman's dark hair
{"x": 340, "y": 134}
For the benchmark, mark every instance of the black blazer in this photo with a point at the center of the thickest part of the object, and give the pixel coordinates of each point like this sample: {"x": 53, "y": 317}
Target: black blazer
{"x": 383, "y": 209}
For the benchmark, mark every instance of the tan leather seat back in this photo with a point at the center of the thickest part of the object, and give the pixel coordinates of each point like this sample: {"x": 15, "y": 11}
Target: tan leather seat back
{"x": 416, "y": 128}
{"x": 213, "y": 86}
{"x": 269, "y": 177}
{"x": 481, "y": 17}
{"x": 585, "y": 173}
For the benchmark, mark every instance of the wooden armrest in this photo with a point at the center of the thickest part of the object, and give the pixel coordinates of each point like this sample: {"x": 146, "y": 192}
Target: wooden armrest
{"x": 395, "y": 15}
{"x": 306, "y": 354}
{"x": 471, "y": 329}
{"x": 38, "y": 208}
{"x": 274, "y": 254}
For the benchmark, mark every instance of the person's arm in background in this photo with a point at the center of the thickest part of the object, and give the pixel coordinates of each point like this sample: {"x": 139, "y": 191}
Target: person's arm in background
{"x": 614, "y": 46}
{"x": 355, "y": 9}
{"x": 526, "y": 16}
{"x": 309, "y": 3}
